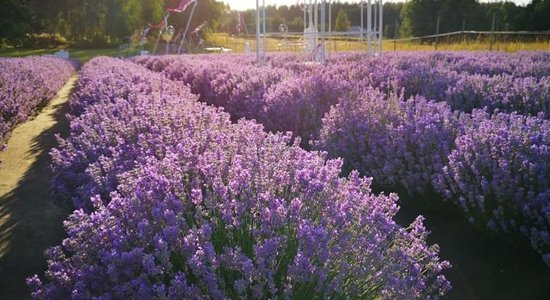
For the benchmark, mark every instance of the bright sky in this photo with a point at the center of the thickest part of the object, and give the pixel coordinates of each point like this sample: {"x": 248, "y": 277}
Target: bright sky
{"x": 247, "y": 4}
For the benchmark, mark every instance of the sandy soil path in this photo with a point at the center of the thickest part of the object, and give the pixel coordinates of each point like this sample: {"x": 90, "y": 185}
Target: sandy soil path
{"x": 30, "y": 221}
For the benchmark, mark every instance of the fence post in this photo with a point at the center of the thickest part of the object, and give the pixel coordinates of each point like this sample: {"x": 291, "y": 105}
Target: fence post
{"x": 437, "y": 32}
{"x": 395, "y": 36}
{"x": 492, "y": 32}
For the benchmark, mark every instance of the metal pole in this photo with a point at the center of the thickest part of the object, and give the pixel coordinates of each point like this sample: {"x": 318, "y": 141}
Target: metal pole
{"x": 264, "y": 29}
{"x": 330, "y": 29}
{"x": 166, "y": 16}
{"x": 381, "y": 26}
{"x": 187, "y": 26}
{"x": 395, "y": 36}
{"x": 323, "y": 31}
{"x": 316, "y": 21}
{"x": 375, "y": 24}
{"x": 437, "y": 32}
{"x": 463, "y": 30}
{"x": 305, "y": 16}
{"x": 157, "y": 43}
{"x": 362, "y": 25}
{"x": 258, "y": 59}
{"x": 369, "y": 26}
{"x": 492, "y": 32}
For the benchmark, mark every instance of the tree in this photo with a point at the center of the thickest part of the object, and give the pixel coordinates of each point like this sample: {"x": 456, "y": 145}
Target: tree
{"x": 15, "y": 22}
{"x": 342, "y": 21}
{"x": 419, "y": 17}
{"x": 538, "y": 14}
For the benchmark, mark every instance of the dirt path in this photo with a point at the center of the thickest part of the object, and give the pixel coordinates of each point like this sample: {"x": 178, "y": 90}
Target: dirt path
{"x": 30, "y": 221}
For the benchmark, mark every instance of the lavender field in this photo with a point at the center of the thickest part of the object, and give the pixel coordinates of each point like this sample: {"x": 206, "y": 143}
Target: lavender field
{"x": 212, "y": 177}
{"x": 26, "y": 84}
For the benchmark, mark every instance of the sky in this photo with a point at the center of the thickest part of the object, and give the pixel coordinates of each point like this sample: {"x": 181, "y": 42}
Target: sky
{"x": 247, "y": 4}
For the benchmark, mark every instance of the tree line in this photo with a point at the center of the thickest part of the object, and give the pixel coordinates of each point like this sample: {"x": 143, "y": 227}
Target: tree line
{"x": 416, "y": 17}
{"x": 92, "y": 22}
{"x": 111, "y": 22}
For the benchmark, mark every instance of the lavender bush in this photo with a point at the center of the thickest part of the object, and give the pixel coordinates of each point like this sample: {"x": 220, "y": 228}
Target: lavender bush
{"x": 26, "y": 84}
{"x": 527, "y": 95}
{"x": 115, "y": 103}
{"x": 200, "y": 207}
{"x": 298, "y": 104}
{"x": 401, "y": 143}
{"x": 499, "y": 173}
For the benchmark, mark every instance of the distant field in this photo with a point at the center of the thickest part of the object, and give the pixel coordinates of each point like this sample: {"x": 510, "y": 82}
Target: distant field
{"x": 293, "y": 44}
{"x": 339, "y": 44}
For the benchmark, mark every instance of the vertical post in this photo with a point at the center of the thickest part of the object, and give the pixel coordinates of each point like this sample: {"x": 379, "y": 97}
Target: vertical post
{"x": 258, "y": 59}
{"x": 165, "y": 26}
{"x": 369, "y": 26}
{"x": 264, "y": 28}
{"x": 330, "y": 28}
{"x": 316, "y": 22}
{"x": 157, "y": 43}
{"x": 437, "y": 32}
{"x": 381, "y": 26}
{"x": 395, "y": 36}
{"x": 305, "y": 16}
{"x": 463, "y": 30}
{"x": 187, "y": 26}
{"x": 375, "y": 23}
{"x": 323, "y": 30}
{"x": 361, "y": 34}
{"x": 492, "y": 32}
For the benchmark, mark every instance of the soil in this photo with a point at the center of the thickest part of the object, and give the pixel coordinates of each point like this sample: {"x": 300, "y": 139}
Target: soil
{"x": 30, "y": 219}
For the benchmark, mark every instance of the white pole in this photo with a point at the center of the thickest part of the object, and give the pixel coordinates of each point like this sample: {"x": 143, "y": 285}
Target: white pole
{"x": 305, "y": 15}
{"x": 264, "y": 29}
{"x": 258, "y": 31}
{"x": 330, "y": 29}
{"x": 316, "y": 21}
{"x": 375, "y": 25}
{"x": 369, "y": 26}
{"x": 165, "y": 18}
{"x": 323, "y": 31}
{"x": 187, "y": 26}
{"x": 381, "y": 26}
{"x": 362, "y": 20}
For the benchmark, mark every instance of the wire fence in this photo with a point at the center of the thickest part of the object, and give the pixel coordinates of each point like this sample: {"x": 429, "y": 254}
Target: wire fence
{"x": 351, "y": 41}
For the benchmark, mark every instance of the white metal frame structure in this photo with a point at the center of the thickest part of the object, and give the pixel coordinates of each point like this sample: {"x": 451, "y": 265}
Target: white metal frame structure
{"x": 261, "y": 33}
{"x": 375, "y": 25}
{"x": 315, "y": 31}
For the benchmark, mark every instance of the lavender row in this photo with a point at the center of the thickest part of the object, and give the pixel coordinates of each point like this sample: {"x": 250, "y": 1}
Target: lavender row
{"x": 26, "y": 84}
{"x": 407, "y": 143}
{"x": 183, "y": 203}
{"x": 499, "y": 174}
{"x": 496, "y": 82}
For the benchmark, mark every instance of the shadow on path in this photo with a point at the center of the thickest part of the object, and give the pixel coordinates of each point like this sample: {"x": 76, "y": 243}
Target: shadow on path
{"x": 484, "y": 266}
{"x": 30, "y": 219}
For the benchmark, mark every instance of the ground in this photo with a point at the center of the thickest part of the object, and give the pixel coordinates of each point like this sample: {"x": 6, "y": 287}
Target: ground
{"x": 30, "y": 218}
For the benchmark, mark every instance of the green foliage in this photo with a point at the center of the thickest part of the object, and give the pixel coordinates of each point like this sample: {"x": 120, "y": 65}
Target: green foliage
{"x": 97, "y": 23}
{"x": 16, "y": 21}
{"x": 538, "y": 15}
{"x": 419, "y": 16}
{"x": 342, "y": 21}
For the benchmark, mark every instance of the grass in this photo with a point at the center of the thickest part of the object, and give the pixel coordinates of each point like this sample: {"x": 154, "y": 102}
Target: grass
{"x": 292, "y": 44}
{"x": 340, "y": 44}
{"x": 82, "y": 55}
